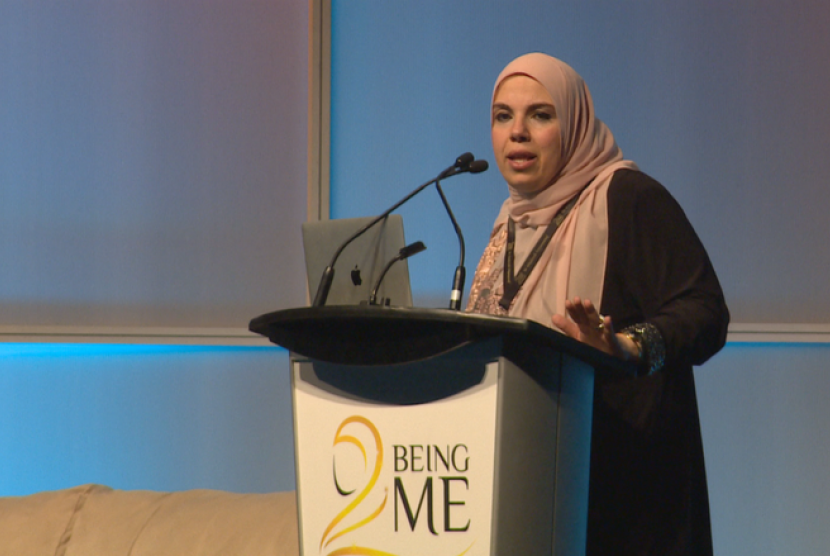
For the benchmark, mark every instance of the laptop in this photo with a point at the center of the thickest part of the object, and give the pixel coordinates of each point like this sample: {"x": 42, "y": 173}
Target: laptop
{"x": 360, "y": 264}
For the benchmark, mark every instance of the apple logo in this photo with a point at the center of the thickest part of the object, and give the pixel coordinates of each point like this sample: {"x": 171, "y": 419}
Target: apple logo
{"x": 356, "y": 280}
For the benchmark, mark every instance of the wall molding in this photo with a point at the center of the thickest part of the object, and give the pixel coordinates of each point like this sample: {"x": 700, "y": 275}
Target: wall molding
{"x": 319, "y": 108}
{"x": 769, "y": 333}
{"x": 132, "y": 335}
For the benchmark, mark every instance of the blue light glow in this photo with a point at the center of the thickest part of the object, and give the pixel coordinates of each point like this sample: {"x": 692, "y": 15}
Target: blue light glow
{"x": 153, "y": 417}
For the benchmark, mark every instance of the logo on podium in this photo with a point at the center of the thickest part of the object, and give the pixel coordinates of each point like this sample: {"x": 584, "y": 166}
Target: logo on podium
{"x": 427, "y": 482}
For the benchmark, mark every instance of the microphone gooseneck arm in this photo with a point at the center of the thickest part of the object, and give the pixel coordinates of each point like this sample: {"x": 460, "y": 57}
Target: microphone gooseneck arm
{"x": 405, "y": 253}
{"x": 460, "y": 271}
{"x": 453, "y": 220}
{"x": 474, "y": 167}
{"x": 464, "y": 163}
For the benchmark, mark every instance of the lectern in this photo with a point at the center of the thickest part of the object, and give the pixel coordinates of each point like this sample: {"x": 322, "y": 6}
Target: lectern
{"x": 434, "y": 432}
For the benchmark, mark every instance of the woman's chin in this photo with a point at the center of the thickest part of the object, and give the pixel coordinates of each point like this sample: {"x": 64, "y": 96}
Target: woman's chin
{"x": 527, "y": 189}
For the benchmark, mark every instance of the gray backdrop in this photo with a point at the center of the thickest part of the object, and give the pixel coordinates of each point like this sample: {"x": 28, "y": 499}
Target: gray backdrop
{"x": 152, "y": 161}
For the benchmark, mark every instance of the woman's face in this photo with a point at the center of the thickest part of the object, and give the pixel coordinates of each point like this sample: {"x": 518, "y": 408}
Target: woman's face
{"x": 527, "y": 141}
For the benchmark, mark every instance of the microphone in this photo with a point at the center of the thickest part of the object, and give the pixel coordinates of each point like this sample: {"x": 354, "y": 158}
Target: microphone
{"x": 464, "y": 163}
{"x": 404, "y": 253}
{"x": 478, "y": 166}
{"x": 468, "y": 162}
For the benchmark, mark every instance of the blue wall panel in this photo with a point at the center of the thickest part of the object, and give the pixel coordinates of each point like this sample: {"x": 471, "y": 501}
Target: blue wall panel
{"x": 144, "y": 417}
{"x": 764, "y": 416}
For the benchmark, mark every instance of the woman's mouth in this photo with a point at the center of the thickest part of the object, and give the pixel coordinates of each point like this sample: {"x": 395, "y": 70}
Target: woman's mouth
{"x": 520, "y": 160}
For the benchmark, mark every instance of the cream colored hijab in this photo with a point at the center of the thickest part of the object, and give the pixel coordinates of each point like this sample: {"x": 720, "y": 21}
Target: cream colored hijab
{"x": 574, "y": 262}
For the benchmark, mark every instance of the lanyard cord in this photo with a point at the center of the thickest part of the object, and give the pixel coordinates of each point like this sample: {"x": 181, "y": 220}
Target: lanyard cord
{"x": 513, "y": 283}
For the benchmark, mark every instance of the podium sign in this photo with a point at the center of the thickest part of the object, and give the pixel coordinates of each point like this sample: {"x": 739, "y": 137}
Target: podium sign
{"x": 387, "y": 478}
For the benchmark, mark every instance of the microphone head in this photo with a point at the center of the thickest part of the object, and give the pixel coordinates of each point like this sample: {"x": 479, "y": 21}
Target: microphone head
{"x": 411, "y": 249}
{"x": 478, "y": 166}
{"x": 463, "y": 161}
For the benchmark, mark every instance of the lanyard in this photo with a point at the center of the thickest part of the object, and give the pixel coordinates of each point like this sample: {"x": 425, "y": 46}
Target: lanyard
{"x": 513, "y": 283}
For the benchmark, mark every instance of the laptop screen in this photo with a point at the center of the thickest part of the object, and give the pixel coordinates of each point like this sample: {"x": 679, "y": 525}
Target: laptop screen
{"x": 360, "y": 264}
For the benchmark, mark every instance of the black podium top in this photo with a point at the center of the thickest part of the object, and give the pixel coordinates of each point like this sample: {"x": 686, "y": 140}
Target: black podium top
{"x": 378, "y": 335}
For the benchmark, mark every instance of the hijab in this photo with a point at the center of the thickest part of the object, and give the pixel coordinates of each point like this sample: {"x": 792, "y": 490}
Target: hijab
{"x": 573, "y": 264}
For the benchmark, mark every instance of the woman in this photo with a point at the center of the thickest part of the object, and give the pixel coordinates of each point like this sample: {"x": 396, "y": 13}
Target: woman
{"x": 591, "y": 246}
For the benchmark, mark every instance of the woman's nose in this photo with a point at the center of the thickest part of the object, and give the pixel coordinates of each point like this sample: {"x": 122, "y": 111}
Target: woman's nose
{"x": 519, "y": 130}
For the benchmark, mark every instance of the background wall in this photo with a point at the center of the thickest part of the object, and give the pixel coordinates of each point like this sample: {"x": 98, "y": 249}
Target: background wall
{"x": 106, "y": 107}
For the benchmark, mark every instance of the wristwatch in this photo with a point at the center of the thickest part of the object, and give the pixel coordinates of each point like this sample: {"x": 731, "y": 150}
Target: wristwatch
{"x": 650, "y": 346}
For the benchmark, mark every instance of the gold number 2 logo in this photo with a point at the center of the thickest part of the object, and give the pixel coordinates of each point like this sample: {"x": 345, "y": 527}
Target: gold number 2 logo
{"x": 341, "y": 437}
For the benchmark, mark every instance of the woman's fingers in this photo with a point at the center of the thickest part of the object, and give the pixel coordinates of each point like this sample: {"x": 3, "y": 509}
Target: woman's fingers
{"x": 584, "y": 314}
{"x": 587, "y": 325}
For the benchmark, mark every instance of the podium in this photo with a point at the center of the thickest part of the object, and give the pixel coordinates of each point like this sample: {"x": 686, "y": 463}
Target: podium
{"x": 434, "y": 432}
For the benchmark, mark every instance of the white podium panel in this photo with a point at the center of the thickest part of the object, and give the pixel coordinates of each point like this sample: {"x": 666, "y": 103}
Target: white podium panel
{"x": 381, "y": 477}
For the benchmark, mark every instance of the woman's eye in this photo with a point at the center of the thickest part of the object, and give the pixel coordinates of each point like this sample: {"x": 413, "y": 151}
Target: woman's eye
{"x": 544, "y": 116}
{"x": 501, "y": 116}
